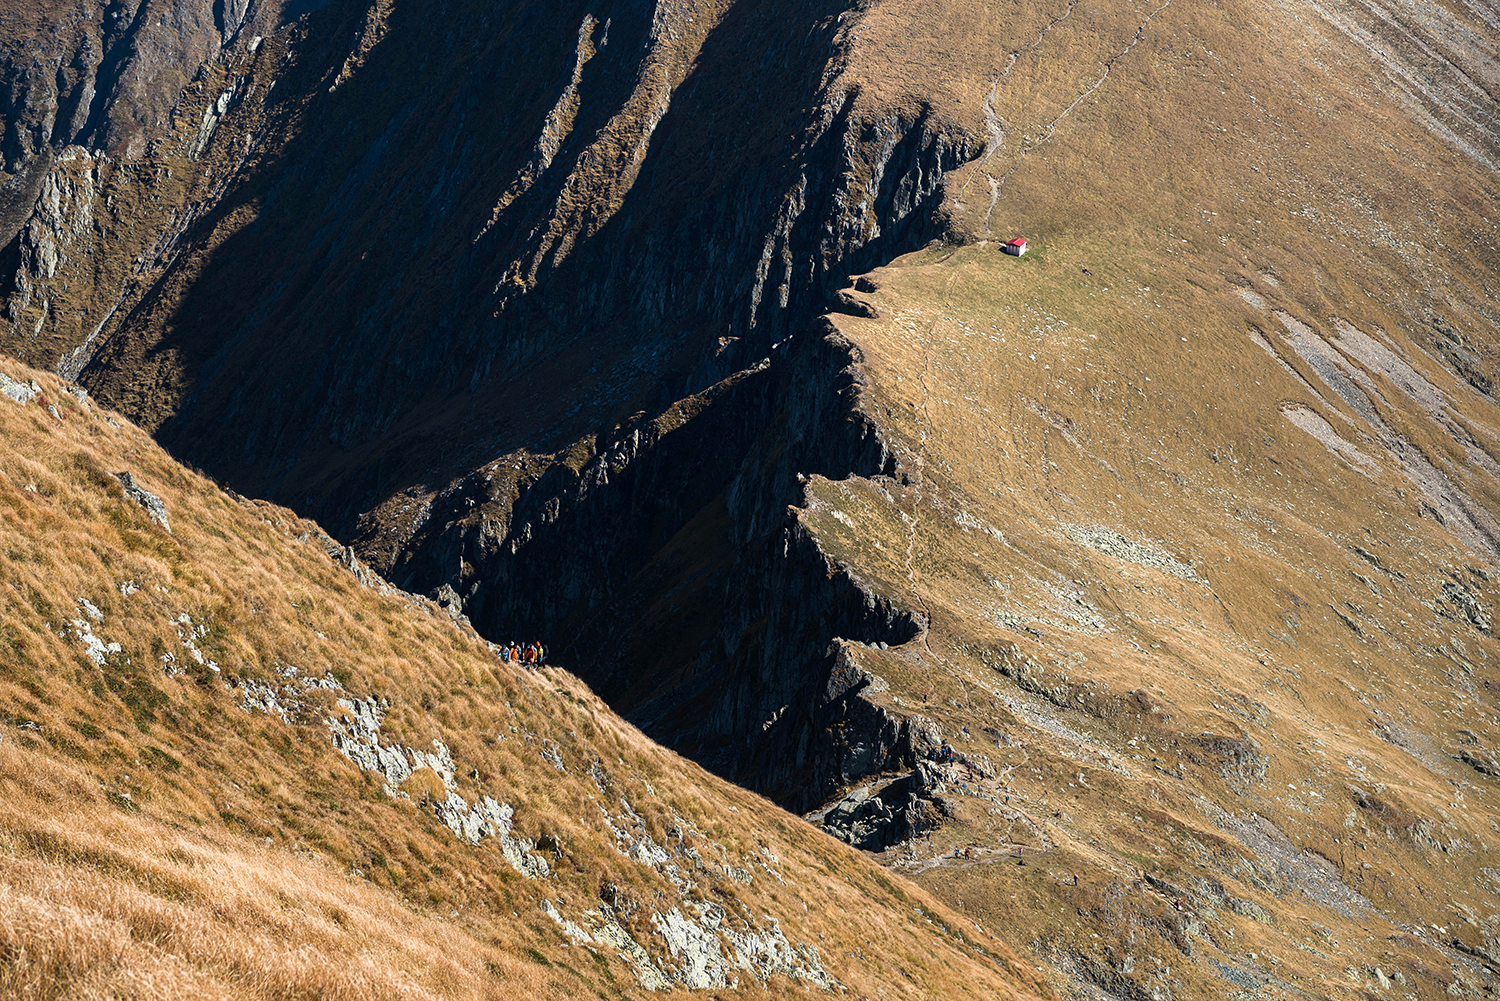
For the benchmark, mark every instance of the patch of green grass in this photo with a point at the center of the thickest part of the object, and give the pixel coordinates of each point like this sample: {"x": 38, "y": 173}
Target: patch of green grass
{"x": 158, "y": 758}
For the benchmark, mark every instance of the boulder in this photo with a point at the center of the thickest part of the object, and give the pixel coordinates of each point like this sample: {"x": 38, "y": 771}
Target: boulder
{"x": 152, "y": 503}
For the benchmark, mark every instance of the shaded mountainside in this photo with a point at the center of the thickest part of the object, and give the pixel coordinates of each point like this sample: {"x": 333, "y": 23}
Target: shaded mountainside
{"x": 1160, "y": 559}
{"x": 427, "y": 272}
{"x": 609, "y": 221}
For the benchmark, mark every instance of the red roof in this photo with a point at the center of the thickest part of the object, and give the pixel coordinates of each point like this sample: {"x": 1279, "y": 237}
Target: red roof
{"x": 1017, "y": 242}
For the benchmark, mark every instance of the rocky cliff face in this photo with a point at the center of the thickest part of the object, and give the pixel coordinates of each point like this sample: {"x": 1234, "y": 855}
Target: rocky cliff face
{"x": 613, "y": 544}
{"x": 639, "y": 219}
{"x": 108, "y": 115}
{"x": 624, "y": 227}
{"x": 668, "y": 226}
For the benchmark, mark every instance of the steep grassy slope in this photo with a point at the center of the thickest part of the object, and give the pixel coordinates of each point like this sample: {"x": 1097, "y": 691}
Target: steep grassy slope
{"x": 237, "y": 767}
{"x": 1199, "y": 498}
{"x": 1233, "y": 681}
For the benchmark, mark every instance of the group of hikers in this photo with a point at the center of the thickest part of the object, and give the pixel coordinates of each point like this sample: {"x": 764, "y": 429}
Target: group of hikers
{"x": 532, "y": 655}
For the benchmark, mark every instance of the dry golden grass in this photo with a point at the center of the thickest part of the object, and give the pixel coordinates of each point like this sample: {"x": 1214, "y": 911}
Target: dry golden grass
{"x": 1032, "y": 397}
{"x": 159, "y": 839}
{"x": 97, "y": 903}
{"x": 1113, "y": 377}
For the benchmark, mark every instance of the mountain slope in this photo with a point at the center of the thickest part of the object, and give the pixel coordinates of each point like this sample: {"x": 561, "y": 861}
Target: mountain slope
{"x": 679, "y": 335}
{"x": 1199, "y": 499}
{"x": 238, "y": 767}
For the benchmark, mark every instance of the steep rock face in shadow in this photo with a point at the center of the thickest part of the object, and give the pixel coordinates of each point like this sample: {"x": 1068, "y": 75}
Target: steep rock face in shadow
{"x": 387, "y": 244}
{"x": 613, "y": 219}
{"x": 106, "y": 160}
{"x": 663, "y": 564}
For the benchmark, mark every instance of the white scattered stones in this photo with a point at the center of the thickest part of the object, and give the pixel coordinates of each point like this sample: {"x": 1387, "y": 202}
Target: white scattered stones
{"x": 702, "y": 944}
{"x": 968, "y": 522}
{"x": 707, "y": 947}
{"x": 609, "y": 933}
{"x": 192, "y": 632}
{"x": 284, "y": 699}
{"x": 356, "y": 733}
{"x": 553, "y": 754}
{"x": 1111, "y": 543}
{"x": 128, "y": 588}
{"x": 96, "y": 649}
{"x": 703, "y": 952}
{"x": 1312, "y": 422}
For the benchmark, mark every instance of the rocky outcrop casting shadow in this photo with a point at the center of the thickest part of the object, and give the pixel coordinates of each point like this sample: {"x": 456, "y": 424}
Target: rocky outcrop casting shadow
{"x": 608, "y": 257}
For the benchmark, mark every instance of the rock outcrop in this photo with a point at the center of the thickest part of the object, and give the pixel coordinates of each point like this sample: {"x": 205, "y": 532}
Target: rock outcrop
{"x": 877, "y": 817}
{"x": 611, "y": 545}
{"x": 674, "y": 232}
{"x": 145, "y": 498}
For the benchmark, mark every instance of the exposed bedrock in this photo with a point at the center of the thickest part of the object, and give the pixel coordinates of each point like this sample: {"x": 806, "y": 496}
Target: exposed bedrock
{"x": 662, "y": 566}
{"x": 600, "y": 210}
{"x": 358, "y": 262}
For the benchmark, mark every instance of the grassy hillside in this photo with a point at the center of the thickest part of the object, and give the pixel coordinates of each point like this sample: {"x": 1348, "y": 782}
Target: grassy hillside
{"x": 1182, "y": 531}
{"x": 179, "y": 821}
{"x": 1239, "y": 682}
{"x": 1211, "y": 572}
{"x": 1201, "y": 498}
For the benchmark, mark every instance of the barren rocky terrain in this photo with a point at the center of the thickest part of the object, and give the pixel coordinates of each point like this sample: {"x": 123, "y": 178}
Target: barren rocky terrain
{"x": 1133, "y": 596}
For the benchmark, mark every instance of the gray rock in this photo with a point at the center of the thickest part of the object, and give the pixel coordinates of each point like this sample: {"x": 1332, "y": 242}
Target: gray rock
{"x": 97, "y": 650}
{"x": 1112, "y": 543}
{"x": 1250, "y": 909}
{"x": 1458, "y": 595}
{"x": 356, "y": 734}
{"x": 18, "y": 391}
{"x": 449, "y": 601}
{"x": 925, "y": 737}
{"x": 876, "y": 819}
{"x": 152, "y": 503}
